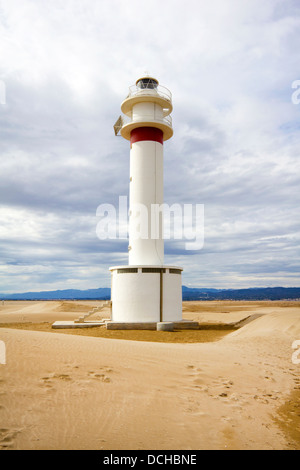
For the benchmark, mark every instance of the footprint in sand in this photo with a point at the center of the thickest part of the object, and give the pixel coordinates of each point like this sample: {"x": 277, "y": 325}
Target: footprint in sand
{"x": 48, "y": 380}
{"x": 7, "y": 438}
{"x": 102, "y": 374}
{"x": 199, "y": 379}
{"x": 65, "y": 377}
{"x": 102, "y": 377}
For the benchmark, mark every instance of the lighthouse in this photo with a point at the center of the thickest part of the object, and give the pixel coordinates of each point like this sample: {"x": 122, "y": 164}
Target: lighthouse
{"x": 146, "y": 290}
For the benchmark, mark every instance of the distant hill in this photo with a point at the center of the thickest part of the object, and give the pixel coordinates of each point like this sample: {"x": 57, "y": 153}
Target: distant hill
{"x": 263, "y": 293}
{"x": 102, "y": 293}
{"x": 259, "y": 293}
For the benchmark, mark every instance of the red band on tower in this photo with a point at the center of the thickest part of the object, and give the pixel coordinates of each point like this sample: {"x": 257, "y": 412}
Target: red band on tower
{"x": 146, "y": 133}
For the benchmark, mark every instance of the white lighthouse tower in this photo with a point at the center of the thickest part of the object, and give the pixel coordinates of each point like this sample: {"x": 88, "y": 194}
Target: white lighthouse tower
{"x": 146, "y": 290}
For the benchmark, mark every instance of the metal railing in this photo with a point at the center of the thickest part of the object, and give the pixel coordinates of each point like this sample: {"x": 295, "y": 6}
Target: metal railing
{"x": 164, "y": 120}
{"x": 160, "y": 90}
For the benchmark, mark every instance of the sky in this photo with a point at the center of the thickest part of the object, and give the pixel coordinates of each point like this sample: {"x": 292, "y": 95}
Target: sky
{"x": 65, "y": 68}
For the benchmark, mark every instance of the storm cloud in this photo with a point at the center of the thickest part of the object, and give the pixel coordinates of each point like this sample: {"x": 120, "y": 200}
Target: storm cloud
{"x": 66, "y": 67}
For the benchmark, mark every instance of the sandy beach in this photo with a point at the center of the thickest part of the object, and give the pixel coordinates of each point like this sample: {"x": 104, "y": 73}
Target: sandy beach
{"x": 68, "y": 390}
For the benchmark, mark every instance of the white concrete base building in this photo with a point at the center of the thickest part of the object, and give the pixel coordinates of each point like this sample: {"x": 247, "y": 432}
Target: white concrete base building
{"x": 146, "y": 294}
{"x": 146, "y": 290}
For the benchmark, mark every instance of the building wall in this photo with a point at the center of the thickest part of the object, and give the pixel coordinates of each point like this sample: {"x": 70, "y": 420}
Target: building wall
{"x": 146, "y": 188}
{"x": 136, "y": 296}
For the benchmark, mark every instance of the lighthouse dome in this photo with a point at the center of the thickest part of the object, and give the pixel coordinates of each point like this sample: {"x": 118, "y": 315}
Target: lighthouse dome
{"x": 147, "y": 82}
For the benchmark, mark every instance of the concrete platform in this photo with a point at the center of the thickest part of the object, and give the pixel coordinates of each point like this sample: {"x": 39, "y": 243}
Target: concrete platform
{"x": 165, "y": 326}
{"x": 186, "y": 325}
{"x": 180, "y": 325}
{"x": 73, "y": 324}
{"x": 111, "y": 325}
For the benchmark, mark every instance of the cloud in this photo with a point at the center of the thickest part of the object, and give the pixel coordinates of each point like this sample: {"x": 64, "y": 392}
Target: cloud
{"x": 66, "y": 67}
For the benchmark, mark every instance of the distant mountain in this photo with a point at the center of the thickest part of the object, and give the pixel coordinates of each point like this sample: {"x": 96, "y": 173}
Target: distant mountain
{"x": 199, "y": 289}
{"x": 102, "y": 293}
{"x": 256, "y": 293}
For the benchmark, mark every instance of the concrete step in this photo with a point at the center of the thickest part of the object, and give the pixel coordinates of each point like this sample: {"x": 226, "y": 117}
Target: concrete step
{"x": 81, "y": 319}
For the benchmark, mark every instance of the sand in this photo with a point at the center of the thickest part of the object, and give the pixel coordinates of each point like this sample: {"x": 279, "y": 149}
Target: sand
{"x": 71, "y": 391}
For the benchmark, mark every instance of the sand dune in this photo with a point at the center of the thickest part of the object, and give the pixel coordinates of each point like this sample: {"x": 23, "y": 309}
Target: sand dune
{"x": 274, "y": 323}
{"x": 59, "y": 391}
{"x": 47, "y": 311}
